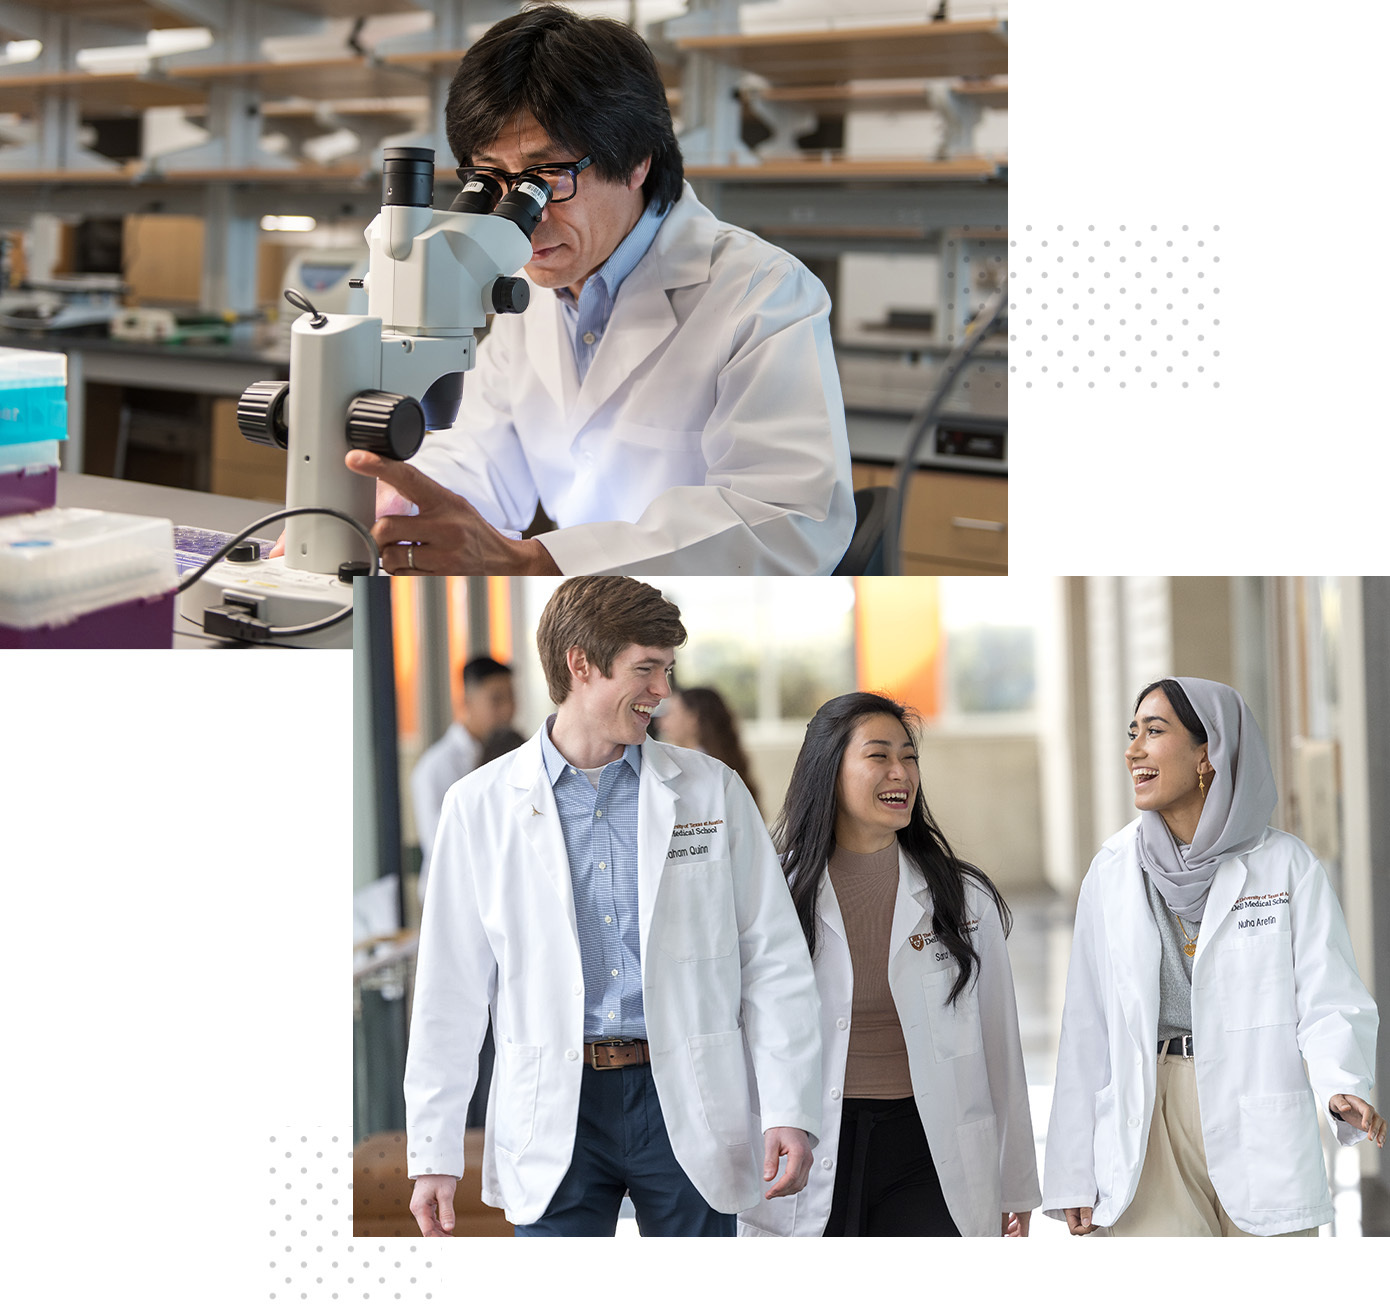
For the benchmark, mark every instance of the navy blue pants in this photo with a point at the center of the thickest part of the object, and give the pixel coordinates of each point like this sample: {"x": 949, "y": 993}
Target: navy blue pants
{"x": 621, "y": 1148}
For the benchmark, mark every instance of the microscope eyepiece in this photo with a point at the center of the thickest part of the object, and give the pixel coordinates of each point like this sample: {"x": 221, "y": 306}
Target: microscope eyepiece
{"x": 407, "y": 177}
{"x": 524, "y": 203}
{"x": 479, "y": 195}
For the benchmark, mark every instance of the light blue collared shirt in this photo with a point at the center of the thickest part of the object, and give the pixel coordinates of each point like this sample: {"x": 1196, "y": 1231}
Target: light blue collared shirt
{"x": 600, "y": 831}
{"x": 587, "y": 319}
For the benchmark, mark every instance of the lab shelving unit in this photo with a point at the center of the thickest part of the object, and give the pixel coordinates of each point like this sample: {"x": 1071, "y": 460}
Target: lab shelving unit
{"x": 822, "y": 203}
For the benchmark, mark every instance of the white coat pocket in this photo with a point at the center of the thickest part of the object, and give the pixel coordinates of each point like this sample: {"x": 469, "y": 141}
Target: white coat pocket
{"x": 1282, "y": 1152}
{"x": 721, "y": 1078}
{"x": 1255, "y": 978}
{"x": 1106, "y": 1140}
{"x": 955, "y": 1029}
{"x": 979, "y": 1156}
{"x": 696, "y": 902}
{"x": 515, "y": 1097}
{"x": 651, "y": 460}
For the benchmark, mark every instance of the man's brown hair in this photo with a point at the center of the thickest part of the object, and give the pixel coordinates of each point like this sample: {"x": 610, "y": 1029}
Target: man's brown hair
{"x": 603, "y": 614}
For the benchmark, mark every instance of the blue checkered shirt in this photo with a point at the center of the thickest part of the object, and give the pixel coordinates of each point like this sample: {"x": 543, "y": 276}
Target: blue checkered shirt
{"x": 600, "y": 831}
{"x": 586, "y": 319}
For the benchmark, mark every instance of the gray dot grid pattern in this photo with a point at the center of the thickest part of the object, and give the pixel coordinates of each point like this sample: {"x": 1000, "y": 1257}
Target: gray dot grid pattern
{"x": 310, "y": 1249}
{"x": 1135, "y": 306}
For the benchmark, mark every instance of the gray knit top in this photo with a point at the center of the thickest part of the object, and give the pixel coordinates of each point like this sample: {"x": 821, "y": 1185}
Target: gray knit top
{"x": 1174, "y": 967}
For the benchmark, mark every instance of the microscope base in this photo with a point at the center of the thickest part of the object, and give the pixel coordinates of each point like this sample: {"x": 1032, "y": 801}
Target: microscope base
{"x": 271, "y": 593}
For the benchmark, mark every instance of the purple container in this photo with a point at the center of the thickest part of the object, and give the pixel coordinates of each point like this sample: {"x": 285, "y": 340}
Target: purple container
{"x": 141, "y": 622}
{"x": 27, "y": 490}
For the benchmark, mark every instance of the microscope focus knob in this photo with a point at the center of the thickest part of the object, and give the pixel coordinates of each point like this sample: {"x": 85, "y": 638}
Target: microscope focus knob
{"x": 389, "y": 425}
{"x": 510, "y": 294}
{"x": 261, "y": 415}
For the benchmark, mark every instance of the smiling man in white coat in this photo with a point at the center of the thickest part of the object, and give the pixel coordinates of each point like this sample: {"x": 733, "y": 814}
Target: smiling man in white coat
{"x": 670, "y": 396}
{"x": 618, "y": 904}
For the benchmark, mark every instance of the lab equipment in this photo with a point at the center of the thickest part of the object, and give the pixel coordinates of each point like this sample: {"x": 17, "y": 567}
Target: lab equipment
{"x": 33, "y": 420}
{"x": 331, "y": 279}
{"x": 75, "y": 578}
{"x": 377, "y": 381}
{"x": 926, "y": 422}
{"x": 165, "y": 326}
{"x": 63, "y": 303}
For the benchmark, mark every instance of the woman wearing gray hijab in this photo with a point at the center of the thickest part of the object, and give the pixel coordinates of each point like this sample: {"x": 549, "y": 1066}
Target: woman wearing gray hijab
{"x": 1212, "y": 1000}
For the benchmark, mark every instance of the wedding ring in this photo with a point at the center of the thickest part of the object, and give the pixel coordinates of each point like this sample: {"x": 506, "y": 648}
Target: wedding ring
{"x": 410, "y": 557}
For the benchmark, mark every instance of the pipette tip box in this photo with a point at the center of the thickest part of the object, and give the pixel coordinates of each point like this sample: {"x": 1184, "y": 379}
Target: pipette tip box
{"x": 33, "y": 419}
{"x": 75, "y": 578}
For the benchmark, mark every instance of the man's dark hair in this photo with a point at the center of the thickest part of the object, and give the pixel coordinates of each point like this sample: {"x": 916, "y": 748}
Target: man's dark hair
{"x": 591, "y": 83}
{"x": 480, "y": 668}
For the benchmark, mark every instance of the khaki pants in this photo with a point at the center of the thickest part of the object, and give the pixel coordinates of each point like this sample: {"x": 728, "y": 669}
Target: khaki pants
{"x": 1175, "y": 1196}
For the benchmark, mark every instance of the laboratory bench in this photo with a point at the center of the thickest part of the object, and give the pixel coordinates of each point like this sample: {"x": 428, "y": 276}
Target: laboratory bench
{"x": 181, "y": 506}
{"x": 956, "y": 520}
{"x": 202, "y": 372}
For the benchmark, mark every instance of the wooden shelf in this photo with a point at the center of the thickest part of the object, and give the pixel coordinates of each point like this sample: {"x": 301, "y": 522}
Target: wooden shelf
{"x": 426, "y": 59}
{"x": 113, "y": 93}
{"x": 129, "y": 175}
{"x": 134, "y": 13}
{"x": 987, "y": 94}
{"x": 974, "y": 49}
{"x": 407, "y": 108}
{"x": 351, "y": 8}
{"x": 840, "y": 99}
{"x": 315, "y": 79}
{"x": 123, "y": 13}
{"x": 854, "y": 169}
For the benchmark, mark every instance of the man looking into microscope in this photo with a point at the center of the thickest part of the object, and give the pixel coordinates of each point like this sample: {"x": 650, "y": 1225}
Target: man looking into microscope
{"x": 670, "y": 397}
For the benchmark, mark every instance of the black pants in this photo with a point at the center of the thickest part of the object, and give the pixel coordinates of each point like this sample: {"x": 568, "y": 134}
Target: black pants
{"x": 885, "y": 1181}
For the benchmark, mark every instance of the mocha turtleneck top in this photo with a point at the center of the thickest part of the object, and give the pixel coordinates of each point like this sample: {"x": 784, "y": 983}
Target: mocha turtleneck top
{"x": 866, "y": 886}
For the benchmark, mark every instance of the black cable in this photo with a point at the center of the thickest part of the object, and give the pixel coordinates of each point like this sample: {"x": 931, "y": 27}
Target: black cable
{"x": 925, "y": 421}
{"x": 288, "y": 631}
{"x": 301, "y": 301}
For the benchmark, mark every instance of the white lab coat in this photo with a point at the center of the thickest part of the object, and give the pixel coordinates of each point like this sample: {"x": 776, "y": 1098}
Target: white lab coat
{"x": 708, "y": 436}
{"x": 441, "y": 765}
{"x": 727, "y": 985}
{"x": 965, "y": 1061}
{"x": 1274, "y": 986}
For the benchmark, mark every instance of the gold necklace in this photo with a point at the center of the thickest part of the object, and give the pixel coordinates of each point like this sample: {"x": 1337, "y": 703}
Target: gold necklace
{"x": 1191, "y": 947}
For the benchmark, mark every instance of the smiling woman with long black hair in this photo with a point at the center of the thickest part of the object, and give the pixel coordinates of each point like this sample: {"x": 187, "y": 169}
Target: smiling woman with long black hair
{"x": 925, "y": 1126}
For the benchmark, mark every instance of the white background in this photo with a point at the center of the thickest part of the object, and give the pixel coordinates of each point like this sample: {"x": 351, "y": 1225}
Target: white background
{"x": 1267, "y": 119}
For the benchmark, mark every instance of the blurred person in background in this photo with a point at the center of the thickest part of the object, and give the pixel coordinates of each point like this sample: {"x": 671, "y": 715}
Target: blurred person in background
{"x": 925, "y": 1124}
{"x": 488, "y": 704}
{"x": 498, "y": 743}
{"x": 698, "y": 718}
{"x": 1212, "y": 991}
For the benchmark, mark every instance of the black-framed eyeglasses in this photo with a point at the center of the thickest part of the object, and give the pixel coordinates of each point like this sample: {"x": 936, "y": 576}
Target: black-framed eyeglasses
{"x": 562, "y": 178}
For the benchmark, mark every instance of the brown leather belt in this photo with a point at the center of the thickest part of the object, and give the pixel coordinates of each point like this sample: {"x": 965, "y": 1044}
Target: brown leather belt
{"x": 616, "y": 1054}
